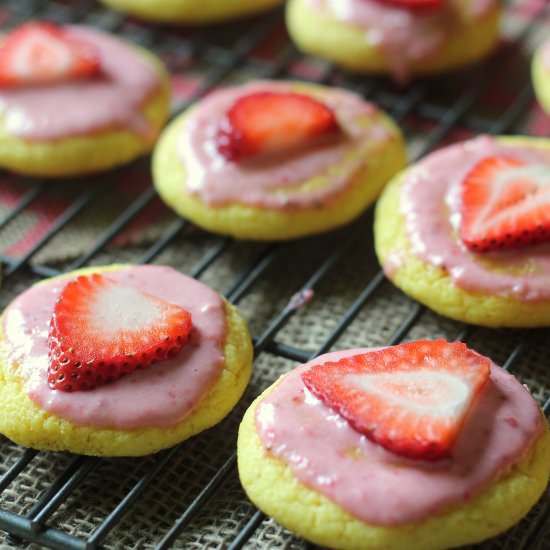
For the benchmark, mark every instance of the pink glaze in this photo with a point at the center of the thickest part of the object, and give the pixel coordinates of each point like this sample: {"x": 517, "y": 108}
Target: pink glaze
{"x": 382, "y": 488}
{"x": 393, "y": 263}
{"x": 404, "y": 36}
{"x": 160, "y": 395}
{"x": 431, "y": 205}
{"x": 110, "y": 101}
{"x": 269, "y": 182}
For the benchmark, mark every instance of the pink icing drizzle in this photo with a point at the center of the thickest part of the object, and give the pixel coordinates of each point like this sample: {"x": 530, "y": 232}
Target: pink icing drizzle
{"x": 393, "y": 263}
{"x": 268, "y": 183}
{"x": 62, "y": 110}
{"x": 160, "y": 395}
{"x": 431, "y": 205}
{"x": 376, "y": 486}
{"x": 404, "y": 36}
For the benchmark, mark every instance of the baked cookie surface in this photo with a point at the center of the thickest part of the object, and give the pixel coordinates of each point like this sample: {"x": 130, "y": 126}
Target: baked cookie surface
{"x": 541, "y": 75}
{"x": 274, "y": 485}
{"x": 374, "y": 36}
{"x": 140, "y": 413}
{"x": 77, "y": 127}
{"x": 310, "y": 191}
{"x": 418, "y": 246}
{"x": 191, "y": 11}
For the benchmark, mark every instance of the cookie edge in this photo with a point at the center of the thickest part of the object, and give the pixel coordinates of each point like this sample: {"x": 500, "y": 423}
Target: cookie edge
{"x": 271, "y": 485}
{"x": 50, "y": 432}
{"x": 268, "y": 224}
{"x": 93, "y": 152}
{"x": 324, "y": 36}
{"x": 176, "y": 12}
{"x": 436, "y": 289}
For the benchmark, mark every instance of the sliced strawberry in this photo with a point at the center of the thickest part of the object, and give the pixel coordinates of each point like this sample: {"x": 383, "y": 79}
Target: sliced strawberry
{"x": 505, "y": 204}
{"x": 412, "y": 399}
{"x": 101, "y": 330}
{"x": 42, "y": 53}
{"x": 272, "y": 122}
{"x": 415, "y": 4}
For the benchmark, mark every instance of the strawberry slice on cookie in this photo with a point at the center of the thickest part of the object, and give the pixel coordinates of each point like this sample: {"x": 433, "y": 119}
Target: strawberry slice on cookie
{"x": 44, "y": 53}
{"x": 411, "y": 399}
{"x": 415, "y": 5}
{"x": 273, "y": 122}
{"x": 101, "y": 330}
{"x": 505, "y": 204}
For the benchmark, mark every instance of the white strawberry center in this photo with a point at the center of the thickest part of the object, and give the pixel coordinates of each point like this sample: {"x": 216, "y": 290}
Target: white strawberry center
{"x": 40, "y": 55}
{"x": 124, "y": 309}
{"x": 514, "y": 191}
{"x": 436, "y": 393}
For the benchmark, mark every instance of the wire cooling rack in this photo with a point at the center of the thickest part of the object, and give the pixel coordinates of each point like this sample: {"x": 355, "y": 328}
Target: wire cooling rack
{"x": 189, "y": 496}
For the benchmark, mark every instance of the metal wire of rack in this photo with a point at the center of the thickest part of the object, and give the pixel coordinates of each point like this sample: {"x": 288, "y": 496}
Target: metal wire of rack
{"x": 189, "y": 496}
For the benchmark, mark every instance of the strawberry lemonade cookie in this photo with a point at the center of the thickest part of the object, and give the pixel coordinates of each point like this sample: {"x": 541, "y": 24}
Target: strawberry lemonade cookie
{"x": 119, "y": 361}
{"x": 426, "y": 445}
{"x": 74, "y": 100}
{"x": 276, "y": 160}
{"x": 400, "y": 37}
{"x": 466, "y": 231}
{"x": 541, "y": 75}
{"x": 191, "y": 11}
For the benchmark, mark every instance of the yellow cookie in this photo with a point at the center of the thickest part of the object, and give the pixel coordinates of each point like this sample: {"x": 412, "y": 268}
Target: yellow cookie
{"x": 76, "y": 127}
{"x": 142, "y": 412}
{"x": 191, "y": 11}
{"x": 541, "y": 75}
{"x": 417, "y": 240}
{"x": 373, "y": 36}
{"x": 308, "y": 191}
{"x": 272, "y": 483}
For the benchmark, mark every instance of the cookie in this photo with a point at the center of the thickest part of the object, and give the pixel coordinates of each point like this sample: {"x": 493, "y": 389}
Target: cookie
{"x": 276, "y": 160}
{"x": 305, "y": 463}
{"x": 56, "y": 398}
{"x": 541, "y": 75}
{"x": 380, "y": 36}
{"x": 425, "y": 218}
{"x": 191, "y": 11}
{"x": 101, "y": 102}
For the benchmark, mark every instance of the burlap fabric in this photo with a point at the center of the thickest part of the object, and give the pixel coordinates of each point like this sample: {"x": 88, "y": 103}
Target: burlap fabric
{"x": 194, "y": 463}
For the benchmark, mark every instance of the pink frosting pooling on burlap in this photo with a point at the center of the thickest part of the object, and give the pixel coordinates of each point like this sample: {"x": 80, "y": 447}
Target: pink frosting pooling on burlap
{"x": 268, "y": 183}
{"x": 382, "y": 488}
{"x": 110, "y": 101}
{"x": 404, "y": 36}
{"x": 161, "y": 395}
{"x": 430, "y": 202}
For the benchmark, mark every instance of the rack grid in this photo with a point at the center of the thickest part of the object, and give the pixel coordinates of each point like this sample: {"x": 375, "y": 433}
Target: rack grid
{"x": 189, "y": 496}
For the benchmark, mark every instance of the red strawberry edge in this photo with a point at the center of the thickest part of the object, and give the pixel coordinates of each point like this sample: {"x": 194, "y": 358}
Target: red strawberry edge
{"x": 84, "y": 58}
{"x": 266, "y": 123}
{"x": 415, "y": 5}
{"x": 523, "y": 221}
{"x": 71, "y": 369}
{"x": 324, "y": 382}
